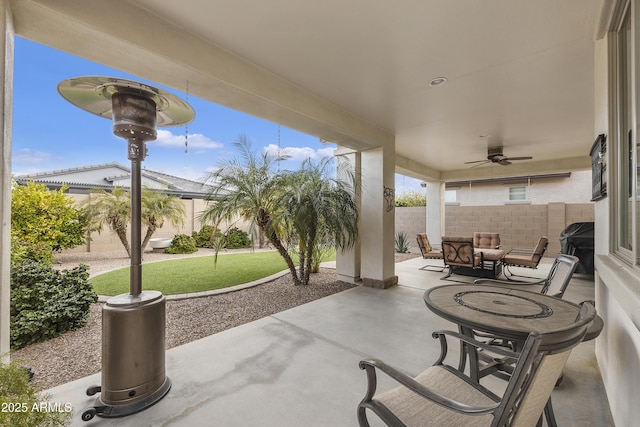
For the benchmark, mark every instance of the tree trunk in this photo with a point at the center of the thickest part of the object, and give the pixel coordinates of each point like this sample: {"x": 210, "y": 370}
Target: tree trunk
{"x": 121, "y": 231}
{"x": 263, "y": 222}
{"x": 125, "y": 242}
{"x": 147, "y": 237}
{"x": 311, "y": 239}
{"x": 302, "y": 263}
{"x": 275, "y": 241}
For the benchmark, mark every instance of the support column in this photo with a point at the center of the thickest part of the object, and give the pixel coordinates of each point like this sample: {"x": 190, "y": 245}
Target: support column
{"x": 435, "y": 212}
{"x": 6, "y": 50}
{"x": 378, "y": 218}
{"x": 348, "y": 261}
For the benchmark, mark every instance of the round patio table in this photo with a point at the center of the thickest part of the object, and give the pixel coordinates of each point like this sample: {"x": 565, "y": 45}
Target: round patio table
{"x": 505, "y": 312}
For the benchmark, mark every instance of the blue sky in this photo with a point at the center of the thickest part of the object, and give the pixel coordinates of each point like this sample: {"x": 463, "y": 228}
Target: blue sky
{"x": 49, "y": 133}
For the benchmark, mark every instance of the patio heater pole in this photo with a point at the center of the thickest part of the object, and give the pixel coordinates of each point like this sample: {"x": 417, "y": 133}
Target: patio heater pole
{"x": 133, "y": 324}
{"x": 134, "y": 119}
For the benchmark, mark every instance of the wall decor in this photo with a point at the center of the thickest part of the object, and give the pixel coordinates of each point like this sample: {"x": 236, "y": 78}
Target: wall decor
{"x": 599, "y": 168}
{"x": 389, "y": 195}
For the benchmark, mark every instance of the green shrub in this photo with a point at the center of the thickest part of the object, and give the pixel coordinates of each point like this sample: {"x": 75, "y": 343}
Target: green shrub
{"x": 46, "y": 302}
{"x": 236, "y": 238}
{"x": 401, "y": 242}
{"x": 182, "y": 244}
{"x": 30, "y": 251}
{"x": 40, "y": 215}
{"x": 203, "y": 237}
{"x": 415, "y": 198}
{"x": 322, "y": 251}
{"x": 23, "y": 406}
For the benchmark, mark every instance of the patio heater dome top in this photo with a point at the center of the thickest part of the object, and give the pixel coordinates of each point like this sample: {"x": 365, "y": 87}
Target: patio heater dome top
{"x": 95, "y": 95}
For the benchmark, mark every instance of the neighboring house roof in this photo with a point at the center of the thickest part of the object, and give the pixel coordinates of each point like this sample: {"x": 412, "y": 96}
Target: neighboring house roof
{"x": 109, "y": 175}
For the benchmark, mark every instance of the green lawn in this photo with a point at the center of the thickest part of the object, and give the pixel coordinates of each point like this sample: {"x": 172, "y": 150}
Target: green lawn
{"x": 188, "y": 275}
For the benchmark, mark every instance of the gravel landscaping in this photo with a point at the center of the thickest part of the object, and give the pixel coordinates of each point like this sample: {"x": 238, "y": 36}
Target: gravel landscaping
{"x": 77, "y": 353}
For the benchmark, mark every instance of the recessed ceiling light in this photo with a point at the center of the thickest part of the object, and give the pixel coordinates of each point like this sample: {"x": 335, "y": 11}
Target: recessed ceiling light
{"x": 438, "y": 81}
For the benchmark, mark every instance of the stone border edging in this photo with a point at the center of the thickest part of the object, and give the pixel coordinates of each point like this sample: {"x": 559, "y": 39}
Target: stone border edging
{"x": 178, "y": 297}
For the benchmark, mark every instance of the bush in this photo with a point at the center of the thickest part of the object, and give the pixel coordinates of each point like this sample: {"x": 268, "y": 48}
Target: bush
{"x": 21, "y": 402}
{"x": 23, "y": 251}
{"x": 237, "y": 238}
{"x": 203, "y": 237}
{"x": 46, "y": 302}
{"x": 182, "y": 244}
{"x": 43, "y": 216}
{"x": 415, "y": 198}
{"x": 401, "y": 242}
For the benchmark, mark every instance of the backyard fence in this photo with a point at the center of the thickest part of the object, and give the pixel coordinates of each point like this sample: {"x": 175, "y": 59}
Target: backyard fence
{"x": 520, "y": 226}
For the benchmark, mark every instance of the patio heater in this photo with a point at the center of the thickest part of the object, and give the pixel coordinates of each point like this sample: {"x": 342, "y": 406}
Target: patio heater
{"x": 133, "y": 324}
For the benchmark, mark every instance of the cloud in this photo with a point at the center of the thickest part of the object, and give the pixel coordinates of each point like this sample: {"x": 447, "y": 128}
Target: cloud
{"x": 197, "y": 140}
{"x": 27, "y": 156}
{"x": 299, "y": 153}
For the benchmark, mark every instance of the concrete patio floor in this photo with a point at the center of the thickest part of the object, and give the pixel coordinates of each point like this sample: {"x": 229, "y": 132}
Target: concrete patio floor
{"x": 300, "y": 367}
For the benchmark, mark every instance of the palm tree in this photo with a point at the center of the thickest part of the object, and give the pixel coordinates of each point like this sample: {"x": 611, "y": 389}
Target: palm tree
{"x": 306, "y": 208}
{"x": 112, "y": 209}
{"x": 319, "y": 209}
{"x": 158, "y": 206}
{"x": 248, "y": 188}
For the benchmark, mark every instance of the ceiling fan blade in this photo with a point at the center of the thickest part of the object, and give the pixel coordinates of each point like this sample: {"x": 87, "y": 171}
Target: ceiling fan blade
{"x": 520, "y": 158}
{"x": 504, "y": 162}
{"x": 477, "y": 161}
{"x": 480, "y": 163}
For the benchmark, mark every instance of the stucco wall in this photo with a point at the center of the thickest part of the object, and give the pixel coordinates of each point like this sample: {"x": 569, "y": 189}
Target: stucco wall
{"x": 617, "y": 284}
{"x": 574, "y": 189}
{"x": 520, "y": 226}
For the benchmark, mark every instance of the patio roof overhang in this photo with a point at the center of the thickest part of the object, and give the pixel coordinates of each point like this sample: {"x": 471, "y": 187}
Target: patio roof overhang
{"x": 519, "y": 71}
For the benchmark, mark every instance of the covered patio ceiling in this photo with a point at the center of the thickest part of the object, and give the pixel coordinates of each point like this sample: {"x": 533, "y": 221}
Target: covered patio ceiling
{"x": 357, "y": 72}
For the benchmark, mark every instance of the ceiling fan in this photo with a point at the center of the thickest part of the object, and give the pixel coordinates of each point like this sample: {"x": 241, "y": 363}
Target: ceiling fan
{"x": 495, "y": 155}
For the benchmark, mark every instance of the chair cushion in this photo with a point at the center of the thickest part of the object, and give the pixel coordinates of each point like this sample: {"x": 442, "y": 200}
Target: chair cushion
{"x": 491, "y": 254}
{"x": 423, "y": 241}
{"x": 425, "y": 247}
{"x": 519, "y": 260}
{"x": 486, "y": 240}
{"x": 540, "y": 247}
{"x": 541, "y": 386}
{"x": 433, "y": 254}
{"x": 415, "y": 410}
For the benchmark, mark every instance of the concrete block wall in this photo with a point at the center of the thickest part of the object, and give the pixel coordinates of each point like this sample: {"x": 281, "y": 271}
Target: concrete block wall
{"x": 520, "y": 226}
{"x": 411, "y": 220}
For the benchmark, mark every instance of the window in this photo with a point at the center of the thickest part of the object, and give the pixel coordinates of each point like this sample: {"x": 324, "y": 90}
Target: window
{"x": 517, "y": 193}
{"x": 451, "y": 196}
{"x": 625, "y": 212}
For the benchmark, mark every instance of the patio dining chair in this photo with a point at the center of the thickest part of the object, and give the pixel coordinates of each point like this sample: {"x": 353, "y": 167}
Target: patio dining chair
{"x": 428, "y": 252}
{"x": 444, "y": 396}
{"x": 556, "y": 282}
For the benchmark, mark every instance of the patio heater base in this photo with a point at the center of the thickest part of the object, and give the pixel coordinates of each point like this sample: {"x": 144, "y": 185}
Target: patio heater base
{"x": 133, "y": 356}
{"x": 114, "y": 411}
